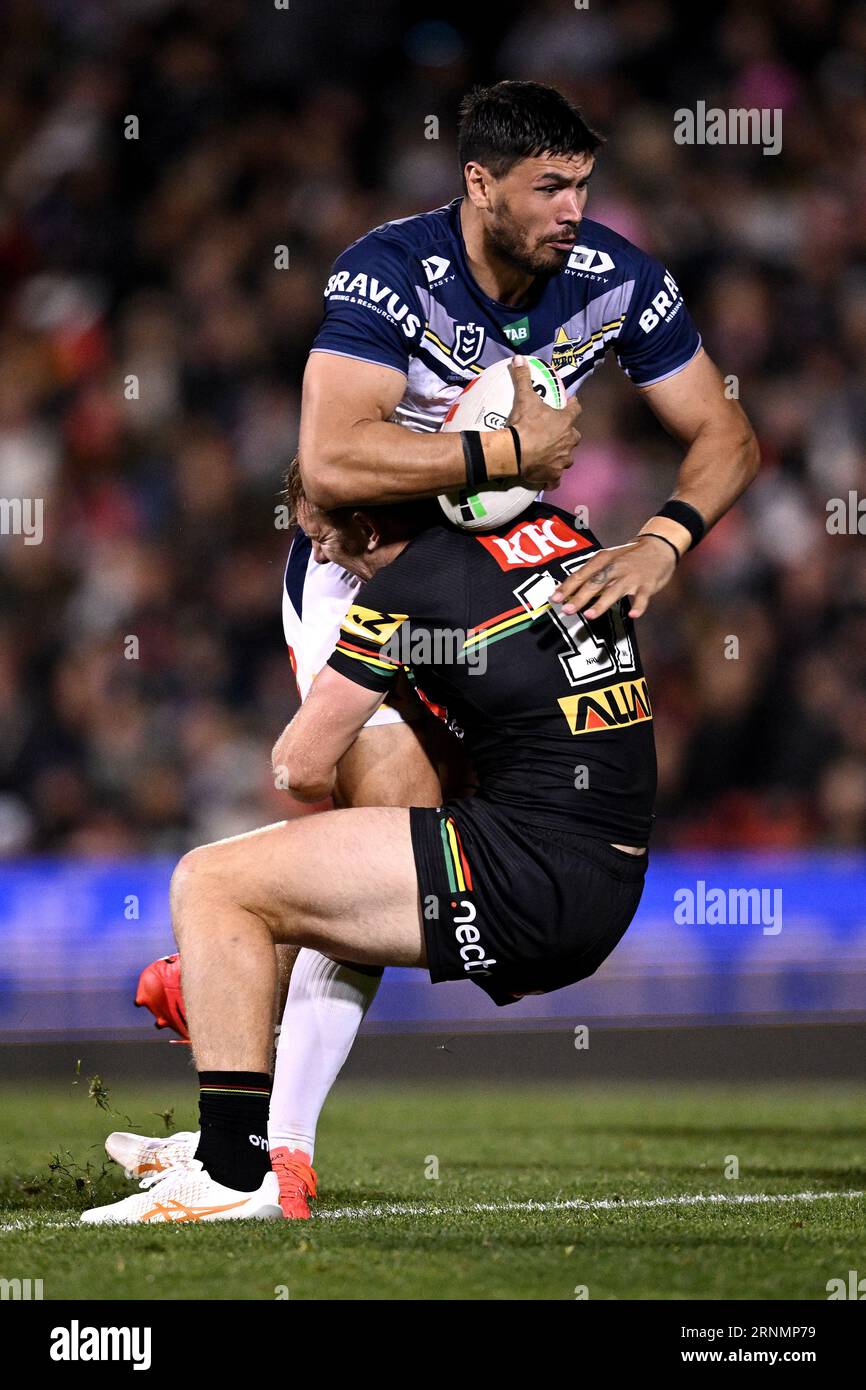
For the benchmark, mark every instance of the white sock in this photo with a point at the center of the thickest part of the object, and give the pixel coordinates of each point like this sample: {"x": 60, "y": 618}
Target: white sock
{"x": 324, "y": 1009}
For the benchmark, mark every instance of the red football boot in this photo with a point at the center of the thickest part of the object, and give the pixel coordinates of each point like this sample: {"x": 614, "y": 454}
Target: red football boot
{"x": 160, "y": 991}
{"x": 297, "y": 1182}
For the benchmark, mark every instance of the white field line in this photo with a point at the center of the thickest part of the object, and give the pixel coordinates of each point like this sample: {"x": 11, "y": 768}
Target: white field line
{"x": 381, "y": 1209}
{"x": 577, "y": 1204}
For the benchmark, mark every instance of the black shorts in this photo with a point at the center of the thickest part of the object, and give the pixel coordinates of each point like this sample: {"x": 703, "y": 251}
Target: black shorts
{"x": 516, "y": 908}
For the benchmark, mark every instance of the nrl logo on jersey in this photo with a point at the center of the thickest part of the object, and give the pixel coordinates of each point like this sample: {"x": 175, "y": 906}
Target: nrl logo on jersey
{"x": 468, "y": 342}
{"x": 590, "y": 260}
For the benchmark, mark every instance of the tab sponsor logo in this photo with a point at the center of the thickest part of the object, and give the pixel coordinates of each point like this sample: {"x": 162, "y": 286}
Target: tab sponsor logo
{"x": 517, "y": 332}
{"x": 612, "y": 707}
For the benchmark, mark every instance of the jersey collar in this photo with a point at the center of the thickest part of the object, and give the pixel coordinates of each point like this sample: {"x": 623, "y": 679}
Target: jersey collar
{"x": 498, "y": 309}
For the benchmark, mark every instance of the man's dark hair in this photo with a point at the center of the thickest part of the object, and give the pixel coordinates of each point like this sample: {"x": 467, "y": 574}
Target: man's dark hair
{"x": 500, "y": 125}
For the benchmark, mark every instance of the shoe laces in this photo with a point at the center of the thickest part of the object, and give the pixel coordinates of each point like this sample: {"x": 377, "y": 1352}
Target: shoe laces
{"x": 174, "y": 1149}
{"x": 298, "y": 1174}
{"x": 184, "y": 1165}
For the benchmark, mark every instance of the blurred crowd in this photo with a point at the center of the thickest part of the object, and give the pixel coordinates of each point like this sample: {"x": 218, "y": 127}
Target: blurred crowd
{"x": 156, "y": 156}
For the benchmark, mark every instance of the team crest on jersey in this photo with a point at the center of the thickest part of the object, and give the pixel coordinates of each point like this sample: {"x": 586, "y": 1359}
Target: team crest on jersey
{"x": 566, "y": 351}
{"x": 532, "y": 542}
{"x": 468, "y": 342}
{"x": 612, "y": 707}
{"x": 367, "y": 622}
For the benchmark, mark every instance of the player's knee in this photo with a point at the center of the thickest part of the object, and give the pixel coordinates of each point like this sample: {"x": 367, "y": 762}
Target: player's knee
{"x": 195, "y": 875}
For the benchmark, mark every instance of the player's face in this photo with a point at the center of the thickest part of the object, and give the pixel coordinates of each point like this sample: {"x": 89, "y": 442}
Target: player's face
{"x": 345, "y": 545}
{"x": 535, "y": 211}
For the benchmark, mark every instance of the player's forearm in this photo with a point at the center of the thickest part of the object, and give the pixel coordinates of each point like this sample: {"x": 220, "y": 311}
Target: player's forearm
{"x": 299, "y": 766}
{"x": 305, "y": 781}
{"x": 312, "y": 792}
{"x": 378, "y": 461}
{"x": 719, "y": 466}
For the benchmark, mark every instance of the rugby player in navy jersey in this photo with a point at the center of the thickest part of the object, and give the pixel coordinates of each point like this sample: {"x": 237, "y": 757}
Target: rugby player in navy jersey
{"x": 414, "y": 311}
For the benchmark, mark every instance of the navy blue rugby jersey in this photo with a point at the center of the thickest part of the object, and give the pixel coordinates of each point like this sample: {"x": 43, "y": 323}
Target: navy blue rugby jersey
{"x": 403, "y": 296}
{"x": 554, "y": 708}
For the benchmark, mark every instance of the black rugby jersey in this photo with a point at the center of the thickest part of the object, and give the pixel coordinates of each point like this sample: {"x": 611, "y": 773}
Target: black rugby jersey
{"x": 553, "y": 707}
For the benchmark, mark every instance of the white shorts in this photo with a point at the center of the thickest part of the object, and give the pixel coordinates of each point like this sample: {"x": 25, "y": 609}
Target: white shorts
{"x": 315, "y": 601}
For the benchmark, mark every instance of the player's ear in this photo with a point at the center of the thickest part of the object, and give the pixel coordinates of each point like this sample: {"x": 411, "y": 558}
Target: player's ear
{"x": 477, "y": 184}
{"x": 368, "y": 529}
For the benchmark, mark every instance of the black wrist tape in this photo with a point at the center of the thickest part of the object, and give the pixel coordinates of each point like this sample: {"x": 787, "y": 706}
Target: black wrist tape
{"x": 687, "y": 516}
{"x": 518, "y": 452}
{"x": 476, "y": 464}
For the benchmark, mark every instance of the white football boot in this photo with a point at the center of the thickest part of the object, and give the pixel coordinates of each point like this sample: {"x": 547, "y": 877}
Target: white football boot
{"x": 186, "y": 1194}
{"x": 140, "y": 1157}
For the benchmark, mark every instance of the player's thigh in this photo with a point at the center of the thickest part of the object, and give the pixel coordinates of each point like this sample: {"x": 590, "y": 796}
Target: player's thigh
{"x": 342, "y": 882}
{"x": 388, "y": 765}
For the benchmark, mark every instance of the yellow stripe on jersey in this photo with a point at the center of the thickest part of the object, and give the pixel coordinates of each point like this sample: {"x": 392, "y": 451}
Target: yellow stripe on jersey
{"x": 455, "y": 850}
{"x": 488, "y": 632}
{"x": 370, "y": 660}
{"x": 367, "y": 622}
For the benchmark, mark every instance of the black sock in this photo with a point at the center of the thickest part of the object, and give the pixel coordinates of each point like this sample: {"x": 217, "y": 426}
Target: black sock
{"x": 233, "y": 1109}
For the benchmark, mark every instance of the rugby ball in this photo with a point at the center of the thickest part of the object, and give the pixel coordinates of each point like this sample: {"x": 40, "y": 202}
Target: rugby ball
{"x": 485, "y": 404}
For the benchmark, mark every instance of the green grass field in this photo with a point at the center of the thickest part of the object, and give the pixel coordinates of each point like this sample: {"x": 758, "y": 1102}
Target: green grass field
{"x": 494, "y": 1224}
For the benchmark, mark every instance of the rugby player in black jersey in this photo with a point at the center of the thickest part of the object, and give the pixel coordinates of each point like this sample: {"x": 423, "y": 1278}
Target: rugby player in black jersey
{"x": 525, "y": 887}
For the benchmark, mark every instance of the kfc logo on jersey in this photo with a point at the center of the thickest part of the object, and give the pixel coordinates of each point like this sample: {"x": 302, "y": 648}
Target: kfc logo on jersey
{"x": 589, "y": 259}
{"x": 532, "y": 542}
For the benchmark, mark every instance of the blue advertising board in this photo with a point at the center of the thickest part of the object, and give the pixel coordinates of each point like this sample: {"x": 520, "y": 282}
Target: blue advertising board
{"x": 716, "y": 936}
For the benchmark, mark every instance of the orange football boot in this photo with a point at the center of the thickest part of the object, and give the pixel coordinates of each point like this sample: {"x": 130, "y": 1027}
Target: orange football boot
{"x": 160, "y": 991}
{"x": 297, "y": 1182}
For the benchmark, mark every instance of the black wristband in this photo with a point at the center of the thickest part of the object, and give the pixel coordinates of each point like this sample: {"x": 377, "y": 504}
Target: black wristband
{"x": 687, "y": 516}
{"x": 476, "y": 464}
{"x": 518, "y": 452}
{"x": 656, "y": 537}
